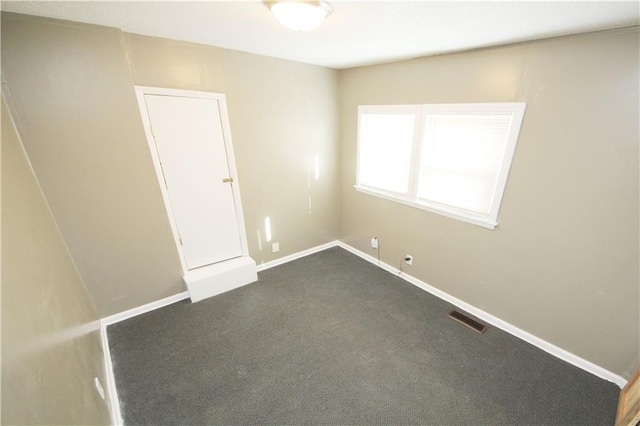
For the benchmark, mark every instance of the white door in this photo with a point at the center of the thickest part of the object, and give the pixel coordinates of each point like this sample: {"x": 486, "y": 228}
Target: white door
{"x": 190, "y": 145}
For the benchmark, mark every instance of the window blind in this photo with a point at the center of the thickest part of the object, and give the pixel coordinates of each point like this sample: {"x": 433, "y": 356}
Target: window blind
{"x": 462, "y": 155}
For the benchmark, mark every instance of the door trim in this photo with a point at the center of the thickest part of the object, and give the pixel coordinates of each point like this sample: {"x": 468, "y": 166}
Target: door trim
{"x": 141, "y": 91}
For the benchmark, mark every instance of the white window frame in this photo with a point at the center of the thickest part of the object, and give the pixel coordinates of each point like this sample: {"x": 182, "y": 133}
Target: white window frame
{"x": 410, "y": 198}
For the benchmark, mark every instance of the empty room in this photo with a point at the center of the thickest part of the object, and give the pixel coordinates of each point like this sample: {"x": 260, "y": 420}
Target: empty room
{"x": 320, "y": 212}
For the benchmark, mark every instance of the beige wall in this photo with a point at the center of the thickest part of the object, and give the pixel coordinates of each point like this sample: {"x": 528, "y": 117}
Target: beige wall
{"x": 563, "y": 263}
{"x": 73, "y": 91}
{"x": 75, "y": 108}
{"x": 283, "y": 114}
{"x": 51, "y": 348}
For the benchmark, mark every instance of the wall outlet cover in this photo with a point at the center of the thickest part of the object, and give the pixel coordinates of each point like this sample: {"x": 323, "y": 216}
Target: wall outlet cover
{"x": 275, "y": 247}
{"x": 374, "y": 243}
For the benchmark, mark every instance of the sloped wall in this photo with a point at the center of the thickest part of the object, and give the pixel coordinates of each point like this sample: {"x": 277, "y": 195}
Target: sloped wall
{"x": 51, "y": 349}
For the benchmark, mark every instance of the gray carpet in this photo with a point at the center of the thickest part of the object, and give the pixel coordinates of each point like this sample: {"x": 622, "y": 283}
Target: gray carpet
{"x": 332, "y": 339}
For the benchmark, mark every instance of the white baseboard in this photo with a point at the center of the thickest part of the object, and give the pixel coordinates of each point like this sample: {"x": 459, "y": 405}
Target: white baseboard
{"x": 297, "y": 255}
{"x": 496, "y": 322}
{"x": 134, "y": 312}
{"x": 114, "y": 402}
{"x": 112, "y": 393}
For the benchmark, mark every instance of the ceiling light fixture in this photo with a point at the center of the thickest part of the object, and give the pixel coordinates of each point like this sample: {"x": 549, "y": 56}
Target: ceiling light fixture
{"x": 300, "y": 15}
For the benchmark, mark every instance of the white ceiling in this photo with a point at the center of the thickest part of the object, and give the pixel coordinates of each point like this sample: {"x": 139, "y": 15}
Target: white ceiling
{"x": 356, "y": 33}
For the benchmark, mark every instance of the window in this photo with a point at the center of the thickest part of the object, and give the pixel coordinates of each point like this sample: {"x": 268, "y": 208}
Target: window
{"x": 451, "y": 159}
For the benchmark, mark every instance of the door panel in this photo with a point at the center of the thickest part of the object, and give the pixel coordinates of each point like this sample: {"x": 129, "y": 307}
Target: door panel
{"x": 190, "y": 143}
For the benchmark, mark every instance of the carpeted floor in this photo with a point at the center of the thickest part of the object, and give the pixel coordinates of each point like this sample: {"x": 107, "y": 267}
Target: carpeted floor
{"x": 332, "y": 339}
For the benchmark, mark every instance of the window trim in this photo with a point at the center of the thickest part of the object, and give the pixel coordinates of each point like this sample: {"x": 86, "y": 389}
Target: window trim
{"x": 410, "y": 198}
{"x": 416, "y": 111}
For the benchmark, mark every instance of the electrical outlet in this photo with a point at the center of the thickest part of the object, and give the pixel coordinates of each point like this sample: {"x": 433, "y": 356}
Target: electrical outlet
{"x": 408, "y": 259}
{"x": 374, "y": 243}
{"x": 275, "y": 247}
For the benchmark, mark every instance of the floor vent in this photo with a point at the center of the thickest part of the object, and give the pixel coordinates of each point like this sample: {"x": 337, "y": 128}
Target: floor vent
{"x": 469, "y": 322}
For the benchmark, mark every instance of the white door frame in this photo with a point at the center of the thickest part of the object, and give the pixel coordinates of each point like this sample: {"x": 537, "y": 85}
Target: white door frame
{"x": 228, "y": 144}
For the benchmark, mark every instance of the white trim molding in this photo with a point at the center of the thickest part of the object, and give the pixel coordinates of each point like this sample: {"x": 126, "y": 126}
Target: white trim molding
{"x": 495, "y": 321}
{"x": 298, "y": 255}
{"x": 134, "y": 312}
{"x": 212, "y": 279}
{"x": 112, "y": 392}
{"x": 418, "y": 135}
{"x": 114, "y": 402}
{"x": 441, "y": 210}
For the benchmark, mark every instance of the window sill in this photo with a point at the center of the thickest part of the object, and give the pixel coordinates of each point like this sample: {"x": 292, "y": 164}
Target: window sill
{"x": 450, "y": 213}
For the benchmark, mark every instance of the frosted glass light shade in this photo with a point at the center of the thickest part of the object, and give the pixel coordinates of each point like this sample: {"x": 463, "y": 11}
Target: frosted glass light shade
{"x": 300, "y": 15}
